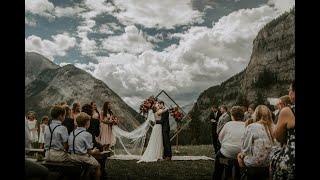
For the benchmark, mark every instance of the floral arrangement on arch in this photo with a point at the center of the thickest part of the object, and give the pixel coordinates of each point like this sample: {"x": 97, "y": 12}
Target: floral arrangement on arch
{"x": 147, "y": 104}
{"x": 176, "y": 114}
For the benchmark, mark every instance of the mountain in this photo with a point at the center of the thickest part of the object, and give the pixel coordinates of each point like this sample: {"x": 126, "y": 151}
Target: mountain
{"x": 35, "y": 64}
{"x": 49, "y": 84}
{"x": 268, "y": 74}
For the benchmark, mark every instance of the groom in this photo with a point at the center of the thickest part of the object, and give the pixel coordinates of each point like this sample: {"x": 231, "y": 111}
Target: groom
{"x": 167, "y": 154}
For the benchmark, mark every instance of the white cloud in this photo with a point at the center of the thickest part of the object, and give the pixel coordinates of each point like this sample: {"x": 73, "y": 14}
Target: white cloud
{"x": 155, "y": 13}
{"x": 59, "y": 45}
{"x": 203, "y": 57}
{"x": 30, "y": 22}
{"x": 282, "y": 5}
{"x": 68, "y": 11}
{"x": 40, "y": 7}
{"x": 132, "y": 41}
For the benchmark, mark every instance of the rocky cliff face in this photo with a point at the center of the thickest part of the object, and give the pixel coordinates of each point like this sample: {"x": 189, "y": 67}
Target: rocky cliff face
{"x": 68, "y": 83}
{"x": 268, "y": 74}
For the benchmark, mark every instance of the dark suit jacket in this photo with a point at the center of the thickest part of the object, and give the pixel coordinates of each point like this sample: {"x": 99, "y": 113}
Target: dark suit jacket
{"x": 216, "y": 118}
{"x": 165, "y": 121}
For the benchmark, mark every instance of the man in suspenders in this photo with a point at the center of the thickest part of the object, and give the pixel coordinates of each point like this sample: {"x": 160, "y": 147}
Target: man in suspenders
{"x": 81, "y": 145}
{"x": 56, "y": 137}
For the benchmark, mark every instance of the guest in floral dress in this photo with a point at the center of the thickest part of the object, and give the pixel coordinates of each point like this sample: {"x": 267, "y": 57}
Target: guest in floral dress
{"x": 257, "y": 145}
{"x": 283, "y": 159}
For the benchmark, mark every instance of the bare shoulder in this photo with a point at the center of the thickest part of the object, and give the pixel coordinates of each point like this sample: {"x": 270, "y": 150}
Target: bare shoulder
{"x": 286, "y": 116}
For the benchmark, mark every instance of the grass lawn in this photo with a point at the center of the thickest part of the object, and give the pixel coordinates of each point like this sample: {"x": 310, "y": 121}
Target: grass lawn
{"x": 200, "y": 169}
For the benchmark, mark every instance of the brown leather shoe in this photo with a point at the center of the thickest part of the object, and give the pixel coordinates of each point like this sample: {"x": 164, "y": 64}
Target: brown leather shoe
{"x": 168, "y": 158}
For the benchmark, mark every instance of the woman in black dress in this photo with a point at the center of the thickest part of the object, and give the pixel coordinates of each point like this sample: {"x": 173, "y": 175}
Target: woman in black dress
{"x": 94, "y": 128}
{"x": 68, "y": 121}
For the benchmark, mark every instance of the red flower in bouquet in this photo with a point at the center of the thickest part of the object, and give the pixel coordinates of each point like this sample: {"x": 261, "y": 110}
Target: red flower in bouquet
{"x": 176, "y": 114}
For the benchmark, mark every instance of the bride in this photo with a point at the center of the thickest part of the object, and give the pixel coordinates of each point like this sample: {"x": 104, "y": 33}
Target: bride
{"x": 154, "y": 150}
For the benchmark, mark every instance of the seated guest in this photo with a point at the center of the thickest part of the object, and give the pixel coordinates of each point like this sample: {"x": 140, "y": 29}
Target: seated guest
{"x": 257, "y": 145}
{"x": 56, "y": 136}
{"x": 80, "y": 144}
{"x": 230, "y": 138}
{"x": 68, "y": 121}
{"x": 283, "y": 159}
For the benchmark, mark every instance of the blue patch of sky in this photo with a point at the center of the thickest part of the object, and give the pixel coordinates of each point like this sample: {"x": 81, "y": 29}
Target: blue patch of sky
{"x": 45, "y": 28}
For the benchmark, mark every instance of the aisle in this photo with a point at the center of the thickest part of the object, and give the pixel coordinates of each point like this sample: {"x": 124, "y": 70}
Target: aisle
{"x": 174, "y": 158}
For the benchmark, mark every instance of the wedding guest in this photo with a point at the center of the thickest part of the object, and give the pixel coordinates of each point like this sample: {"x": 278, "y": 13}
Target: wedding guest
{"x": 230, "y": 138}
{"x": 33, "y": 169}
{"x": 283, "y": 160}
{"x": 214, "y": 117}
{"x": 106, "y": 136}
{"x": 76, "y": 109}
{"x": 257, "y": 144}
{"x": 81, "y": 145}
{"x": 250, "y": 111}
{"x": 56, "y": 136}
{"x": 43, "y": 126}
{"x": 68, "y": 121}
{"x": 27, "y": 136}
{"x": 223, "y": 119}
{"x": 94, "y": 127}
{"x": 283, "y": 101}
{"x": 33, "y": 128}
{"x": 96, "y": 114}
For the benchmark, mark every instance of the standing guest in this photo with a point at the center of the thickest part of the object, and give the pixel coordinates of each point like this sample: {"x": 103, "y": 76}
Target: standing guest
{"x": 81, "y": 145}
{"x": 43, "y": 126}
{"x": 106, "y": 136}
{"x": 230, "y": 138}
{"x": 257, "y": 145}
{"x": 214, "y": 117}
{"x": 94, "y": 127}
{"x": 56, "y": 136}
{"x": 33, "y": 128}
{"x": 283, "y": 160}
{"x": 284, "y": 101}
{"x": 68, "y": 121}
{"x": 96, "y": 114}
{"x": 249, "y": 113}
{"x": 224, "y": 118}
{"x": 76, "y": 109}
{"x": 27, "y": 134}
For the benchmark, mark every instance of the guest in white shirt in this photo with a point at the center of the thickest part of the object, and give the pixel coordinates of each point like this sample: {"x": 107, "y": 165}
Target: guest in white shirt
{"x": 230, "y": 138}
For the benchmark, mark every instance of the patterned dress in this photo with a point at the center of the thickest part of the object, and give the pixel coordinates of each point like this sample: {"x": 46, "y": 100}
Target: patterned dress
{"x": 283, "y": 159}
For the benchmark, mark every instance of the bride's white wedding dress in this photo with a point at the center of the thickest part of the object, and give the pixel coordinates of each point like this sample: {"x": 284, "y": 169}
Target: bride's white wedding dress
{"x": 154, "y": 150}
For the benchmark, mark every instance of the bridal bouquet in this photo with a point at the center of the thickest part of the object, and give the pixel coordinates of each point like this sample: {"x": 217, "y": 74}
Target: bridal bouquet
{"x": 147, "y": 104}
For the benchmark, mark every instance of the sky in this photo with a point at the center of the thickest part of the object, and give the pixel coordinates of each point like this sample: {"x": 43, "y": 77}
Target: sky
{"x": 140, "y": 47}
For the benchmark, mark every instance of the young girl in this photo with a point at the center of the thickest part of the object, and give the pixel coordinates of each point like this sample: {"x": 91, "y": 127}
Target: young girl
{"x": 43, "y": 125}
{"x": 107, "y": 120}
{"x": 33, "y": 128}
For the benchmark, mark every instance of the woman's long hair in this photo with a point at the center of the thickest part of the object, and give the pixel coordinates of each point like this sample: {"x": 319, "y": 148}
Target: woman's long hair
{"x": 106, "y": 109}
{"x": 263, "y": 114}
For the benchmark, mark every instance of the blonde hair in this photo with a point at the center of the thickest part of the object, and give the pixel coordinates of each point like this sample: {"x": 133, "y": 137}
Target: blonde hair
{"x": 263, "y": 114}
{"x": 285, "y": 100}
{"x": 82, "y": 119}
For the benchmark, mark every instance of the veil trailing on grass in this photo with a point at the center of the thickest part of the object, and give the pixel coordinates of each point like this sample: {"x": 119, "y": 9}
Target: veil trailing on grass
{"x": 132, "y": 143}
